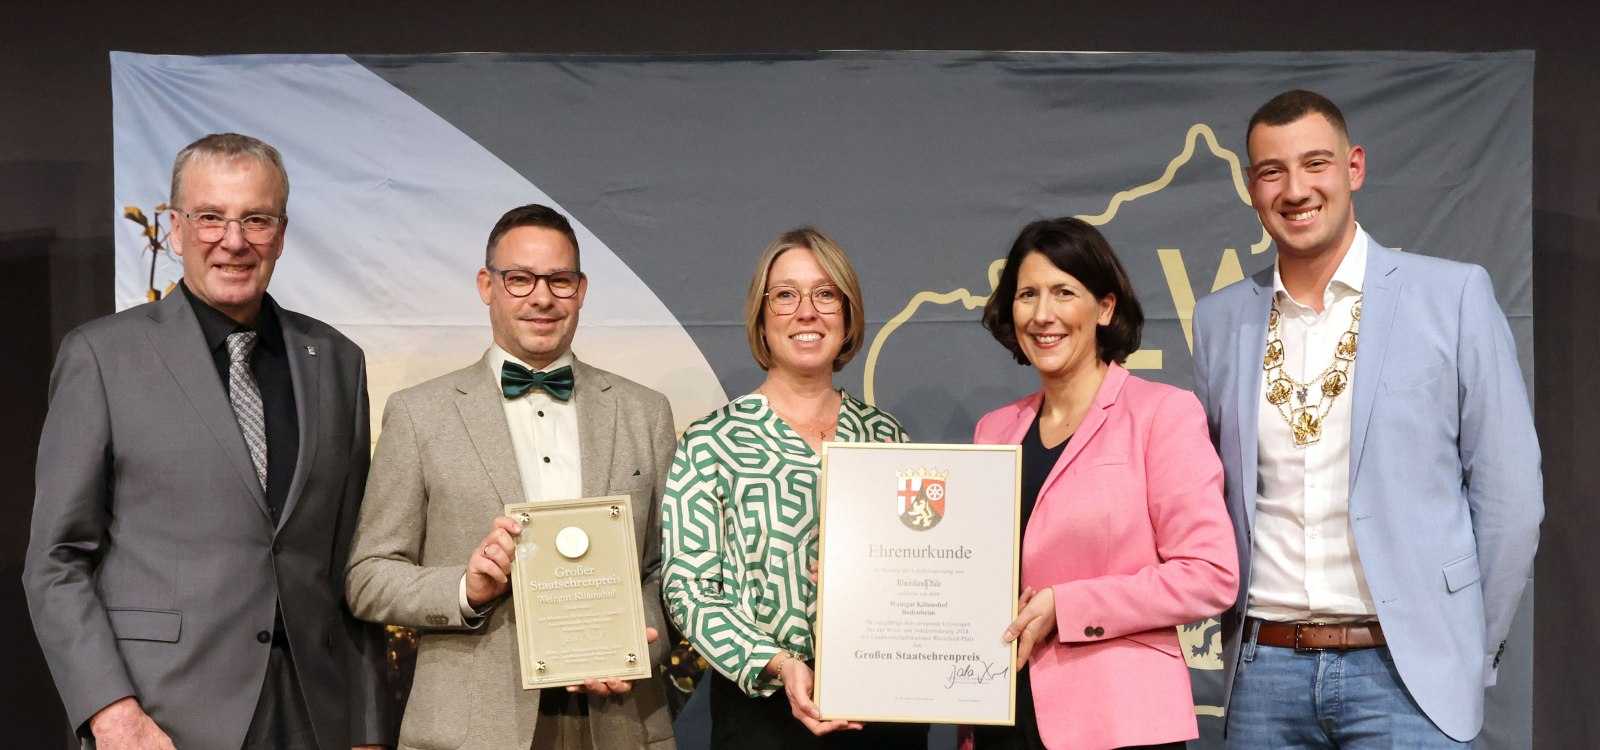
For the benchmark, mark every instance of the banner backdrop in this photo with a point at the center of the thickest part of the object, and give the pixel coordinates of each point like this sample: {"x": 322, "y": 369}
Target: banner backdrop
{"x": 678, "y": 170}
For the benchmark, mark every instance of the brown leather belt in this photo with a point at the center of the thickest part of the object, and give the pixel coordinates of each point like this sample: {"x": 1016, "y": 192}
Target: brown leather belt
{"x": 1318, "y": 636}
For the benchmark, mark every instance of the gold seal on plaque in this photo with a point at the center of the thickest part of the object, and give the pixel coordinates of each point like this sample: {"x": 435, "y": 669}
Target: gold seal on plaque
{"x": 572, "y": 542}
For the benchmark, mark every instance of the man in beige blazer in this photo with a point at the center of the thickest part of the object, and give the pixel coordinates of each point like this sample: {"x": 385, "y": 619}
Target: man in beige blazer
{"x": 433, "y": 551}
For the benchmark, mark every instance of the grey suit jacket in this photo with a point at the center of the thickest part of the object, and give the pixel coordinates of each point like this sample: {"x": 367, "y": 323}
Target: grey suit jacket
{"x": 443, "y": 469}
{"x": 154, "y": 567}
{"x": 1445, "y": 489}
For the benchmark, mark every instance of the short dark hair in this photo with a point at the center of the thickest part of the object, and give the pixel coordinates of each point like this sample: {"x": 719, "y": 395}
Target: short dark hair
{"x": 1290, "y": 106}
{"x": 1080, "y": 250}
{"x": 531, "y": 215}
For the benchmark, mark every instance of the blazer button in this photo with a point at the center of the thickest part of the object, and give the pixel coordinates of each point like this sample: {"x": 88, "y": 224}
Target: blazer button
{"x": 1088, "y": 632}
{"x": 277, "y": 548}
{"x": 264, "y": 637}
{"x": 1099, "y": 631}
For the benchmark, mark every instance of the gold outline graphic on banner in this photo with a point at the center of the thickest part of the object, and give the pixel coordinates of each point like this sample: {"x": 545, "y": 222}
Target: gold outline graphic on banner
{"x": 1171, "y": 261}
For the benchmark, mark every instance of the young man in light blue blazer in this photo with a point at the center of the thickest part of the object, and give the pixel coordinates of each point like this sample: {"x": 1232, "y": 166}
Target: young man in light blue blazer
{"x": 1381, "y": 464}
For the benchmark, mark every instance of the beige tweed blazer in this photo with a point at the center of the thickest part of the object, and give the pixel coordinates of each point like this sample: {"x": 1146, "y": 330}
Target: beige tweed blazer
{"x": 442, "y": 471}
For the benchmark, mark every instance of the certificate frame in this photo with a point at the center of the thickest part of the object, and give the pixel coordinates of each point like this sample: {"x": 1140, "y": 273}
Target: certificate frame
{"x": 872, "y": 536}
{"x": 576, "y": 592}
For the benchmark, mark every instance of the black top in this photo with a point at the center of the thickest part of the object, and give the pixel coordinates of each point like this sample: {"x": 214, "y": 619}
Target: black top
{"x": 1037, "y": 461}
{"x": 269, "y": 363}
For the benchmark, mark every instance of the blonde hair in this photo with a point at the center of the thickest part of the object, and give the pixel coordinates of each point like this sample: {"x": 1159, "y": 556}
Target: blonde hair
{"x": 835, "y": 264}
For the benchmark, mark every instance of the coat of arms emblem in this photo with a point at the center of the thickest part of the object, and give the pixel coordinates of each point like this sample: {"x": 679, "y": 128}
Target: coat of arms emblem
{"x": 921, "y": 497}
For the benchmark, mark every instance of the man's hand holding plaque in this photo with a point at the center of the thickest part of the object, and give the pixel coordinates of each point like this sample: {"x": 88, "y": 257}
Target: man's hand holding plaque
{"x": 572, "y": 569}
{"x": 489, "y": 576}
{"x": 489, "y": 569}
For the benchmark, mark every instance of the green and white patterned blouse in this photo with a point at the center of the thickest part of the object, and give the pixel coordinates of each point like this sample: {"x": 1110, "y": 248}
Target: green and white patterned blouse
{"x": 739, "y": 533}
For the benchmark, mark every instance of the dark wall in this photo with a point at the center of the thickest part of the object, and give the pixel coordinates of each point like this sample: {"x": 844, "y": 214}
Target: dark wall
{"x": 56, "y": 211}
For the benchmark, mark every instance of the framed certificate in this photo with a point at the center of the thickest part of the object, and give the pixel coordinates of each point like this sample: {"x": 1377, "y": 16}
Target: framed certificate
{"x": 917, "y": 582}
{"x": 575, "y": 586}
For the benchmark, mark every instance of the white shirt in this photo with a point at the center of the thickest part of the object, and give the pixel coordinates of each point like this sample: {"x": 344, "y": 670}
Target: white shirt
{"x": 544, "y": 438}
{"x": 1304, "y": 564}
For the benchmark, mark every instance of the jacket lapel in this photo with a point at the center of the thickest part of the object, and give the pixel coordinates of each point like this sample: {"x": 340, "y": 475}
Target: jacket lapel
{"x": 305, "y": 372}
{"x": 1022, "y": 421}
{"x": 1379, "y": 294}
{"x": 1110, "y": 389}
{"x": 180, "y": 344}
{"x": 484, "y": 416}
{"x": 597, "y": 426}
{"x": 1252, "y": 337}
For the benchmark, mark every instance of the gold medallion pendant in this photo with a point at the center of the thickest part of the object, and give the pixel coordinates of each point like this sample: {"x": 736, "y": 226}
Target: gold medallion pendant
{"x": 1288, "y": 395}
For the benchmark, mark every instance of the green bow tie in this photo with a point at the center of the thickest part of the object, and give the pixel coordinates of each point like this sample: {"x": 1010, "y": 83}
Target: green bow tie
{"x": 515, "y": 380}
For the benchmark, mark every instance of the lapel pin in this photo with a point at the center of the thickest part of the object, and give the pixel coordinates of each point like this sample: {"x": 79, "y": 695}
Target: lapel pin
{"x": 311, "y": 350}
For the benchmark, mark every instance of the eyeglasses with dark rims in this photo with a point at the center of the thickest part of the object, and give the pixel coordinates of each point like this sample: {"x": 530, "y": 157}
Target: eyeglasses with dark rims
{"x": 521, "y": 283}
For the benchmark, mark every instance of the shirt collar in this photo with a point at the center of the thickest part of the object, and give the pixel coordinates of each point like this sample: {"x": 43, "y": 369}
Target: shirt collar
{"x": 216, "y": 325}
{"x": 1347, "y": 278}
{"x": 499, "y": 356}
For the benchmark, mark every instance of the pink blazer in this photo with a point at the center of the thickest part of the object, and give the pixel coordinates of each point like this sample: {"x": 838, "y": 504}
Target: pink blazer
{"x": 1131, "y": 533}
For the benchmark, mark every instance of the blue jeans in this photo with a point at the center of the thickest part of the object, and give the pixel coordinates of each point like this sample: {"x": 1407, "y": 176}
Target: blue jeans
{"x": 1325, "y": 699}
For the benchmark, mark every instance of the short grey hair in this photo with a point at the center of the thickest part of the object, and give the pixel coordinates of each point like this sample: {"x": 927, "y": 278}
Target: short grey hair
{"x": 226, "y": 147}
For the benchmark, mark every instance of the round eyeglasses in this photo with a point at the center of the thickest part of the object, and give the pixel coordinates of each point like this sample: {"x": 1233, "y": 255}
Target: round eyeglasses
{"x": 784, "y": 300}
{"x": 211, "y": 226}
{"x": 520, "y": 283}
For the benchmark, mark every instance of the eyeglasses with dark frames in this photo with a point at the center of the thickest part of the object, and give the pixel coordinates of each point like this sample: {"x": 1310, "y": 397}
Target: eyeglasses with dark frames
{"x": 521, "y": 283}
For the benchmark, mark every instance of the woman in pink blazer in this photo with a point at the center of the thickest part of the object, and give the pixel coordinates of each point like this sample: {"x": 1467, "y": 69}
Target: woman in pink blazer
{"x": 1125, "y": 535}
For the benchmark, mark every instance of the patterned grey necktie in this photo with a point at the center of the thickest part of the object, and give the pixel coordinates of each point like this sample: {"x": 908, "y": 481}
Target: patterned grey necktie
{"x": 246, "y": 398}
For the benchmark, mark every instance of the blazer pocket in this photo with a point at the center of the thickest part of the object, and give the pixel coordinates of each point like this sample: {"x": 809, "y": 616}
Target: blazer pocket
{"x": 336, "y": 438}
{"x": 145, "y": 624}
{"x": 1461, "y": 573}
{"x": 630, "y": 484}
{"x": 1165, "y": 641}
{"x": 439, "y": 707}
{"x": 1409, "y": 379}
{"x": 1105, "y": 461}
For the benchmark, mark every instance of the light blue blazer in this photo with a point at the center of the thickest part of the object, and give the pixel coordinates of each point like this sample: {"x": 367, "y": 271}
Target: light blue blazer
{"x": 1446, "y": 493}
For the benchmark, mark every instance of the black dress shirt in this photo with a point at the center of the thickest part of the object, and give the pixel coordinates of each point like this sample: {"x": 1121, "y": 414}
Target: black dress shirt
{"x": 269, "y": 362}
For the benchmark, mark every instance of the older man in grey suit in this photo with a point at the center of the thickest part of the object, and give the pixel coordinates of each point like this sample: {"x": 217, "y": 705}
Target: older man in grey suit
{"x": 198, "y": 482}
{"x": 527, "y": 422}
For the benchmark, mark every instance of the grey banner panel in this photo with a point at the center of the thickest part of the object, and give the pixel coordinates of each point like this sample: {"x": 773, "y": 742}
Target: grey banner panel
{"x": 924, "y": 165}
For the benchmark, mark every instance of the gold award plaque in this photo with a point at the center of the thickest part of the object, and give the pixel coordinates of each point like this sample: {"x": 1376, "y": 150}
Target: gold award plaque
{"x": 575, "y": 587}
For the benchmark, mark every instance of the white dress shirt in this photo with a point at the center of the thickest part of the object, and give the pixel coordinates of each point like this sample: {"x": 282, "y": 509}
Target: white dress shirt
{"x": 544, "y": 438}
{"x": 1304, "y": 564}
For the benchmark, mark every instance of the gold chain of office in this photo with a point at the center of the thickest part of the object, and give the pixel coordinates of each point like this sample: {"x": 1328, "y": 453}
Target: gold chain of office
{"x": 1305, "y": 420}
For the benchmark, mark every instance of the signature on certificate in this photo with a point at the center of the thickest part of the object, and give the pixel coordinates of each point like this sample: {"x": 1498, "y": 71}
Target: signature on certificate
{"x": 975, "y": 673}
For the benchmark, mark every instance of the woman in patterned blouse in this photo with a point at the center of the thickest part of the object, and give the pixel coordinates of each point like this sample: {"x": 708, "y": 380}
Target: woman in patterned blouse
{"x": 740, "y": 515}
